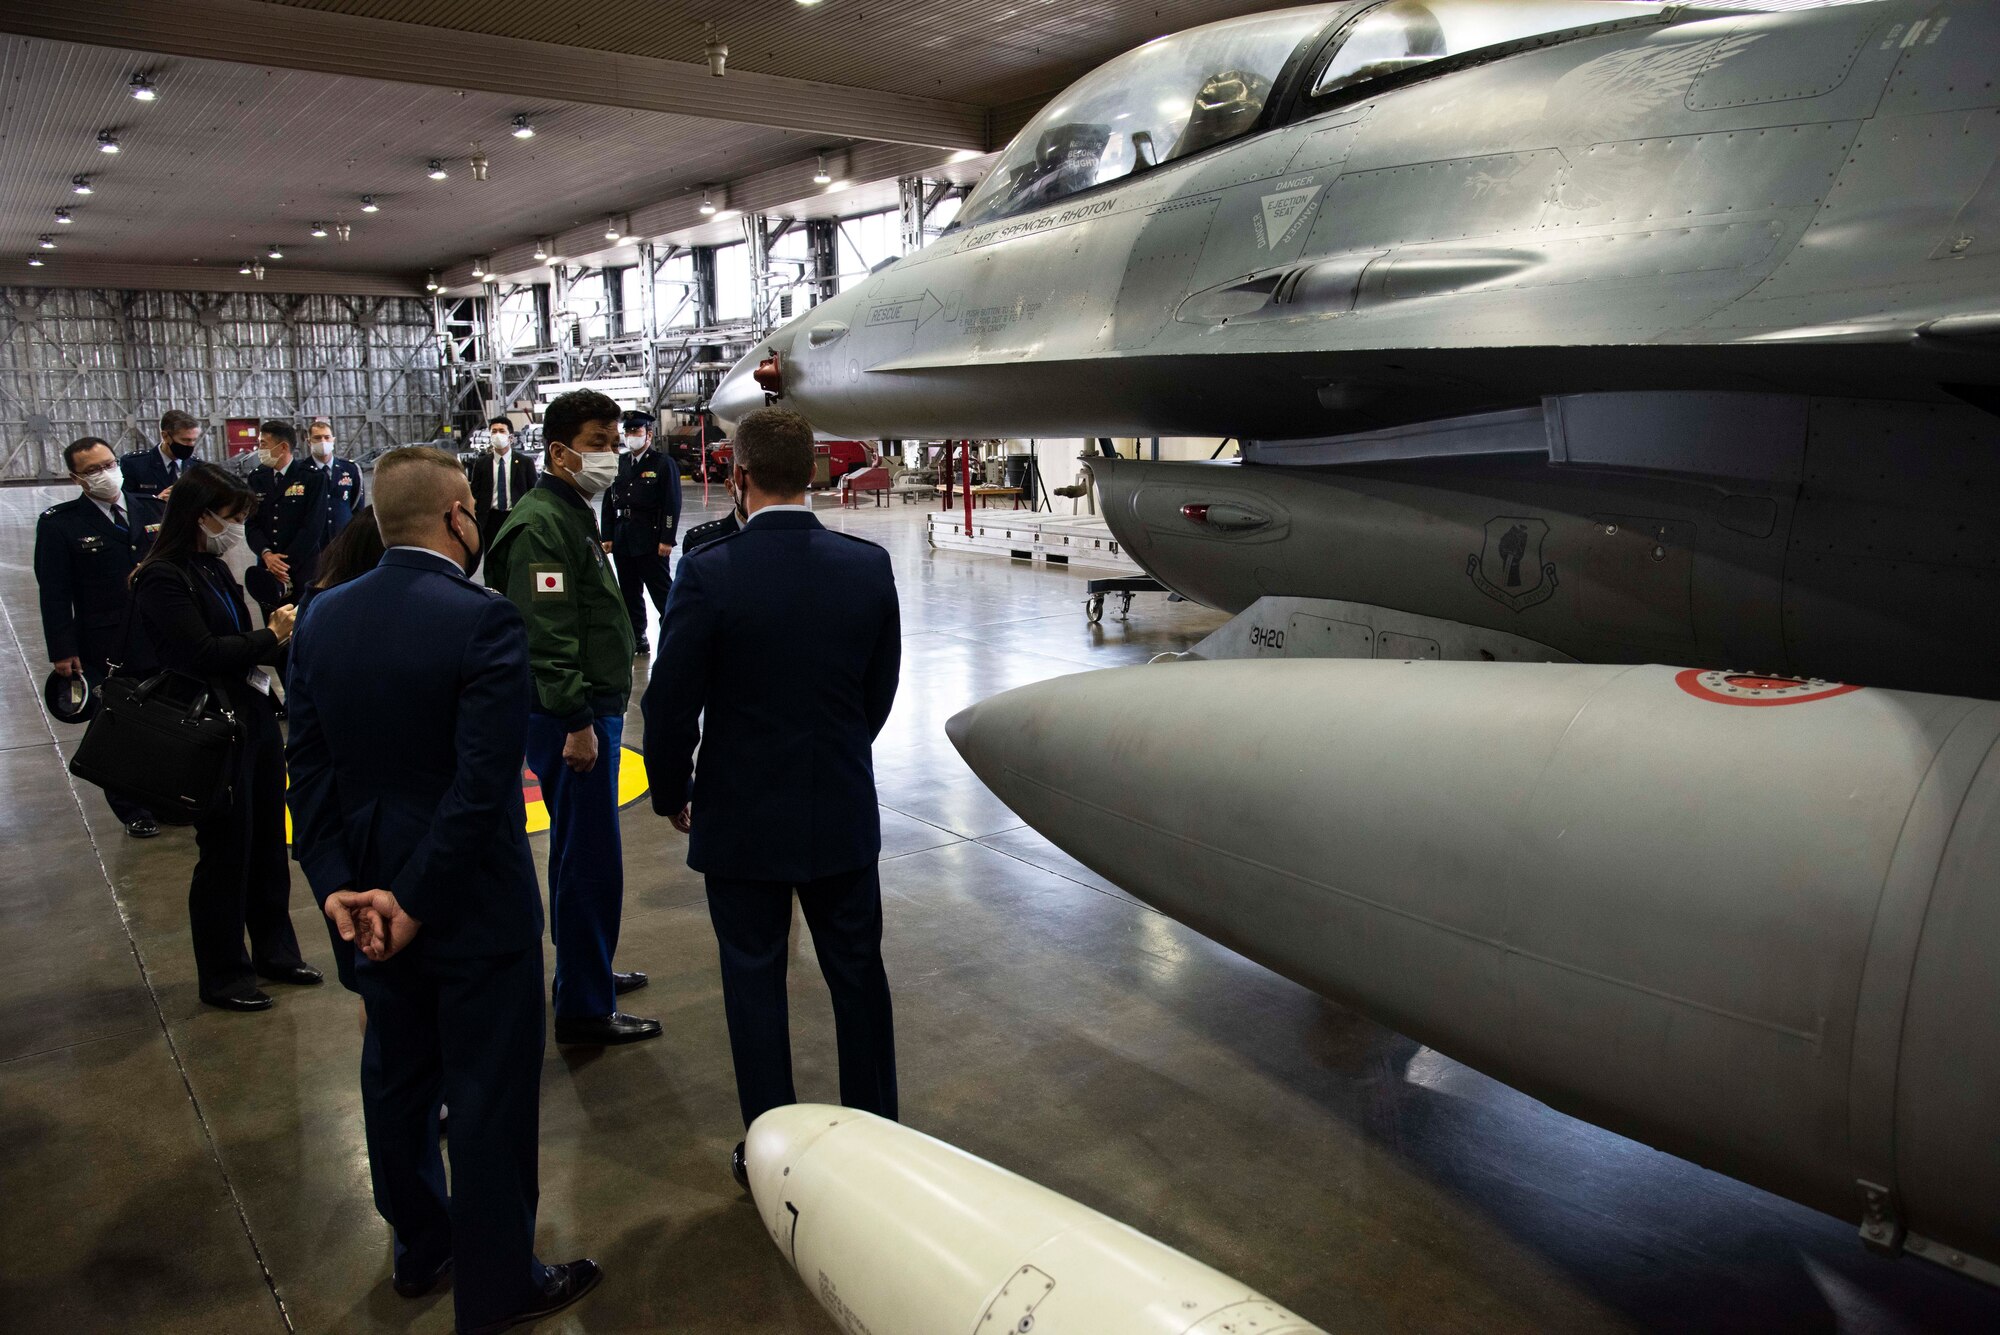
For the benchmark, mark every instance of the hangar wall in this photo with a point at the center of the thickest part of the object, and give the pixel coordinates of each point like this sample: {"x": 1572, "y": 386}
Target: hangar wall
{"x": 109, "y": 362}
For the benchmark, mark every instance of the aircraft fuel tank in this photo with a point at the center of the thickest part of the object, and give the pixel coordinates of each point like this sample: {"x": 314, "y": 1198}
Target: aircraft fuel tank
{"x": 897, "y": 1233}
{"x": 1748, "y": 920}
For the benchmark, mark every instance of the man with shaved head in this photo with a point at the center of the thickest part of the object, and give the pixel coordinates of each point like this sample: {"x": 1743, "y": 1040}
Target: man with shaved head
{"x": 409, "y": 704}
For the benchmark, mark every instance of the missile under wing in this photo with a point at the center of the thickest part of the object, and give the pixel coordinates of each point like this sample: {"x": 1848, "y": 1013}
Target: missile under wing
{"x": 1341, "y": 217}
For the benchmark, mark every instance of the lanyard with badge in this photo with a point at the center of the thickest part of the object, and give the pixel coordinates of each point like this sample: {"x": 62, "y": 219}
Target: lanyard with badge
{"x": 259, "y": 679}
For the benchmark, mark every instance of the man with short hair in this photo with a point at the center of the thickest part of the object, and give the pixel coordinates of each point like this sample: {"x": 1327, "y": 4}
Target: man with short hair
{"x": 500, "y": 477}
{"x": 549, "y": 560}
{"x": 783, "y": 799}
{"x": 294, "y": 508}
{"x": 345, "y": 493}
{"x": 642, "y": 514}
{"x": 85, "y": 550}
{"x": 409, "y": 823}
{"x": 149, "y": 474}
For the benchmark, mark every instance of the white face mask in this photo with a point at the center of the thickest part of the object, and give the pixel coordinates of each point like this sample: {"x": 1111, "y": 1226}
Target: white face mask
{"x": 226, "y": 541}
{"x": 267, "y": 456}
{"x": 634, "y": 444}
{"x": 501, "y": 442}
{"x": 323, "y": 449}
{"x": 107, "y": 485}
{"x": 595, "y": 473}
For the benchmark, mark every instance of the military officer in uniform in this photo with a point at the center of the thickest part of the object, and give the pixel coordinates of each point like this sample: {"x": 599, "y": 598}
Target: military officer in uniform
{"x": 549, "y": 561}
{"x": 85, "y": 549}
{"x": 294, "y": 510}
{"x": 642, "y": 515}
{"x": 149, "y": 473}
{"x": 346, "y": 494}
{"x": 714, "y": 530}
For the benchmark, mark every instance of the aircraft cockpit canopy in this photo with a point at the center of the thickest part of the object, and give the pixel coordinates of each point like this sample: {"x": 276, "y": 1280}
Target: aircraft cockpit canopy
{"x": 1177, "y": 95}
{"x": 1164, "y": 100}
{"x": 1402, "y": 34}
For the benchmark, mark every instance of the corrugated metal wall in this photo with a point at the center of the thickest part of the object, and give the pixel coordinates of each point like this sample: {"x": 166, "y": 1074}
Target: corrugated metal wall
{"x": 94, "y": 362}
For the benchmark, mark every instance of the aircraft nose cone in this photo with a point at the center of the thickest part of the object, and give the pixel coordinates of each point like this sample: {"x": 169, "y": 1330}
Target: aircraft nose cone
{"x": 739, "y": 393}
{"x": 959, "y": 728}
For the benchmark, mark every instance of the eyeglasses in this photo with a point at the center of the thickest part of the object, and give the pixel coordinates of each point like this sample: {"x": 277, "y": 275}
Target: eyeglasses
{"x": 98, "y": 469}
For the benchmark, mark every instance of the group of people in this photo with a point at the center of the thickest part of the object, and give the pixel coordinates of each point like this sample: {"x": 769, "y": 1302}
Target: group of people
{"x": 405, "y": 774}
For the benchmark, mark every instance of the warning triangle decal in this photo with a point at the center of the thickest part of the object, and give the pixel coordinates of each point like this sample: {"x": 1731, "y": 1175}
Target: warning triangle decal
{"x": 1282, "y": 212}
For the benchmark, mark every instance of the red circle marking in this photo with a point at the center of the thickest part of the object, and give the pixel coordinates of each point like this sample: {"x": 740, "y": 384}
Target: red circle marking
{"x": 1756, "y": 689}
{"x": 531, "y": 787}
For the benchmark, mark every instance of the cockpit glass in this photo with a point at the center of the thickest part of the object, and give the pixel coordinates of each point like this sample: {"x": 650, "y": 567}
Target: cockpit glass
{"x": 1402, "y": 34}
{"x": 1165, "y": 100}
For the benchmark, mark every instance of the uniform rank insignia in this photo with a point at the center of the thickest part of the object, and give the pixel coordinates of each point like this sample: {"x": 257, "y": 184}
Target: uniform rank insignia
{"x": 296, "y": 489}
{"x": 548, "y": 581}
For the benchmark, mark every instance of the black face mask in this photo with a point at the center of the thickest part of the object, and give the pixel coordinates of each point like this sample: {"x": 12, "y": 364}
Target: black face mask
{"x": 178, "y": 450}
{"x": 740, "y": 499}
{"x": 471, "y": 562}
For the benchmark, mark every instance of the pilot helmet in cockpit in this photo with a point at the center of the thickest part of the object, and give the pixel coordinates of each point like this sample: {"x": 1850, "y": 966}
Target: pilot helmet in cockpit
{"x": 1226, "y": 106}
{"x": 1067, "y": 158}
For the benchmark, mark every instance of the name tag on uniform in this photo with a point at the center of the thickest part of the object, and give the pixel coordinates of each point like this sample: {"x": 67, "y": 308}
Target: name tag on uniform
{"x": 549, "y": 582}
{"x": 90, "y": 544}
{"x": 296, "y": 489}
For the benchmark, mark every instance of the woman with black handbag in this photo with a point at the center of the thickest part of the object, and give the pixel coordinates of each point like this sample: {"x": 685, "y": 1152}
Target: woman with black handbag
{"x": 194, "y": 618}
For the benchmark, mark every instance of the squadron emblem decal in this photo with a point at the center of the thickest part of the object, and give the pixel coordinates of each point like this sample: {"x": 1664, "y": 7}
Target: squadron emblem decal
{"x": 1509, "y": 568}
{"x": 1757, "y": 688}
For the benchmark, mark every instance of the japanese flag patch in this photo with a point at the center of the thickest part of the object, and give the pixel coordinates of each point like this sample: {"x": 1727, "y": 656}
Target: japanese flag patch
{"x": 548, "y": 581}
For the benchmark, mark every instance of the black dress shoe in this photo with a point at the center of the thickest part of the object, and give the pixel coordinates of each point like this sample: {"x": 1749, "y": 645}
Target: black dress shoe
{"x": 621, "y": 983}
{"x": 299, "y": 975}
{"x": 739, "y": 1168}
{"x": 566, "y": 1283}
{"x": 253, "y": 1000}
{"x": 143, "y": 828}
{"x": 603, "y": 1031}
{"x": 640, "y": 646}
{"x": 417, "y": 1285}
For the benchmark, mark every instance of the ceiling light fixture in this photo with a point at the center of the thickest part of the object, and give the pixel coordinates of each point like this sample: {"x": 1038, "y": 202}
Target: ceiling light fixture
{"x": 478, "y": 268}
{"x": 523, "y": 130}
{"x": 274, "y": 253}
{"x": 478, "y": 164}
{"x": 822, "y": 176}
{"x": 808, "y": 3}
{"x": 34, "y": 261}
{"x": 611, "y": 232}
{"x": 715, "y": 51}
{"x": 257, "y": 272}
{"x": 319, "y": 230}
{"x": 341, "y": 231}
{"x": 62, "y": 216}
{"x": 142, "y": 88}
{"x": 541, "y": 249}
{"x": 707, "y": 204}
{"x": 107, "y": 142}
{"x": 245, "y": 270}
{"x": 436, "y": 170}
{"x": 45, "y": 241}
{"x": 431, "y": 281}
{"x": 368, "y": 204}
{"x": 80, "y": 184}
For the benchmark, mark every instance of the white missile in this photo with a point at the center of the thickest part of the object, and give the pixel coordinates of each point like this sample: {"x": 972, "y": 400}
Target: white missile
{"x": 897, "y": 1233}
{"x": 1751, "y": 921}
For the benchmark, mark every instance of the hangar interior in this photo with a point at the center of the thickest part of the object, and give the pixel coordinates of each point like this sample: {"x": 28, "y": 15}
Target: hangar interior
{"x": 411, "y": 217}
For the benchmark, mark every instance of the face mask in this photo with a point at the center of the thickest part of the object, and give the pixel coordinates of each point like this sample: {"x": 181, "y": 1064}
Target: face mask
{"x": 267, "y": 456}
{"x": 634, "y": 444}
{"x": 471, "y": 562}
{"x": 106, "y": 485}
{"x": 739, "y": 497}
{"x": 226, "y": 541}
{"x": 595, "y": 472}
{"x": 323, "y": 449}
{"x": 501, "y": 442}
{"x": 178, "y": 450}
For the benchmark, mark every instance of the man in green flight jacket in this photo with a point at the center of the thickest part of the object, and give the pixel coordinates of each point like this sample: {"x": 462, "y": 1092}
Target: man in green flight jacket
{"x": 549, "y": 560}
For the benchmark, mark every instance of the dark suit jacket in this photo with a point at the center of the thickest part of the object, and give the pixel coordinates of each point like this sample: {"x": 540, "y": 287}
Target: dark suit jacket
{"x": 409, "y": 696}
{"x": 146, "y": 473}
{"x": 194, "y": 621}
{"x": 520, "y": 478}
{"x": 790, "y": 637}
{"x": 82, "y": 565}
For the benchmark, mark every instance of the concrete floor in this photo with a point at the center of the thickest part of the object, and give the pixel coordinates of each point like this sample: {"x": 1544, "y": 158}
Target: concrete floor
{"x": 172, "y": 1168}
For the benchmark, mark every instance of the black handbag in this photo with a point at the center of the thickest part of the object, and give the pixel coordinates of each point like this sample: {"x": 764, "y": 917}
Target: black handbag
{"x": 168, "y": 742}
